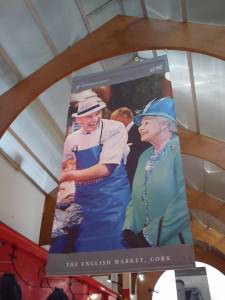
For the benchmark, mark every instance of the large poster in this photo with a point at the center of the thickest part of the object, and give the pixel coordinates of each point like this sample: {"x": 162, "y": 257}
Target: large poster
{"x": 121, "y": 203}
{"x": 192, "y": 284}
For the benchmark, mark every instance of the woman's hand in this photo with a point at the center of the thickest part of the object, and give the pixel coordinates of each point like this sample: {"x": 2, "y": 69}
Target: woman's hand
{"x": 130, "y": 238}
{"x": 134, "y": 240}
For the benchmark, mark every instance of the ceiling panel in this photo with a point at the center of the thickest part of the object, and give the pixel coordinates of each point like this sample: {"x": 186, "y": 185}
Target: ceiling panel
{"x": 90, "y": 6}
{"x": 56, "y": 101}
{"x": 62, "y": 21}
{"x": 204, "y": 176}
{"x": 38, "y": 132}
{"x": 104, "y": 14}
{"x": 21, "y": 38}
{"x": 214, "y": 180}
{"x": 161, "y": 9}
{"x": 210, "y": 12}
{"x": 180, "y": 80}
{"x": 26, "y": 162}
{"x": 132, "y": 8}
{"x": 209, "y": 76}
{"x": 193, "y": 171}
{"x": 7, "y": 77}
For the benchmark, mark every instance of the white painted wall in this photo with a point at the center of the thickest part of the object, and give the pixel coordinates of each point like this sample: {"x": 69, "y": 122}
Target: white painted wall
{"x": 21, "y": 203}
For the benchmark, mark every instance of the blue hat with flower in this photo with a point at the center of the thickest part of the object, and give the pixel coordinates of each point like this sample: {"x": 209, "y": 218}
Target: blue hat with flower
{"x": 163, "y": 107}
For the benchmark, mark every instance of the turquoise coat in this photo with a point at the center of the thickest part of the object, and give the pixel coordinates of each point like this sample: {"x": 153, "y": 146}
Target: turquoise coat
{"x": 166, "y": 199}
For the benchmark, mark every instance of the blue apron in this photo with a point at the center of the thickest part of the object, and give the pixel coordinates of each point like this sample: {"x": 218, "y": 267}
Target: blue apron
{"x": 103, "y": 203}
{"x": 103, "y": 206}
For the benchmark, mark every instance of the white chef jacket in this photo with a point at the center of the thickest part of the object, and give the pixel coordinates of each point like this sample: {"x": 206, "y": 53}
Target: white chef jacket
{"x": 114, "y": 142}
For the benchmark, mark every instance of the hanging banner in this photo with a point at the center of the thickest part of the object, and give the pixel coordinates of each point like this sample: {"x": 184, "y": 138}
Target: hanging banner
{"x": 121, "y": 204}
{"x": 192, "y": 284}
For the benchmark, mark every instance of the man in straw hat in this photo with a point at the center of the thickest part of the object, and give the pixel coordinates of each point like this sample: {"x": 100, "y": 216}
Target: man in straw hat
{"x": 101, "y": 183}
{"x": 157, "y": 214}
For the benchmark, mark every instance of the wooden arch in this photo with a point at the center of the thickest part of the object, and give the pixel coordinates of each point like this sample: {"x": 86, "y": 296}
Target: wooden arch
{"x": 121, "y": 35}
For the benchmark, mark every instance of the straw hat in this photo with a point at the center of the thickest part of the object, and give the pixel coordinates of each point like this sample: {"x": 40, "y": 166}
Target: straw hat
{"x": 89, "y": 106}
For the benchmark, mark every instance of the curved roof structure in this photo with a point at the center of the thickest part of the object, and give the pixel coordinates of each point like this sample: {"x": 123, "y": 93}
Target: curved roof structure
{"x": 43, "y": 42}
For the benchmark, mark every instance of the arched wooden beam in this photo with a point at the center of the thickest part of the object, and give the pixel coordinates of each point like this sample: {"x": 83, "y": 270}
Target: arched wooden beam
{"x": 203, "y": 147}
{"x": 209, "y": 236}
{"x": 121, "y": 35}
{"x": 206, "y": 203}
{"x": 144, "y": 287}
{"x": 209, "y": 258}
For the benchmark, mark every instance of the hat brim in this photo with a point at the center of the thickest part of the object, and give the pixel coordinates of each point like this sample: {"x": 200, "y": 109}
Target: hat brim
{"x": 137, "y": 119}
{"x": 100, "y": 107}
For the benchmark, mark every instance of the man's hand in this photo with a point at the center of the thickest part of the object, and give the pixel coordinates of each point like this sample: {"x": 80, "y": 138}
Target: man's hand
{"x": 97, "y": 171}
{"x": 67, "y": 175}
{"x": 69, "y": 164}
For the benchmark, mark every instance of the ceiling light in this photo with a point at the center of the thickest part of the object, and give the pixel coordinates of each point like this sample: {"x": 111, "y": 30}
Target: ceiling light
{"x": 141, "y": 276}
{"x": 167, "y": 76}
{"x": 95, "y": 296}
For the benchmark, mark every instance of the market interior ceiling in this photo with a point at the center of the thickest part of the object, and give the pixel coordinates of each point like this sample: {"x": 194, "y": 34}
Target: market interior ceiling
{"x": 32, "y": 32}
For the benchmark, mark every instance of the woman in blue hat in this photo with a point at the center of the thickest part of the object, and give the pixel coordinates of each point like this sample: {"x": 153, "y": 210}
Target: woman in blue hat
{"x": 157, "y": 214}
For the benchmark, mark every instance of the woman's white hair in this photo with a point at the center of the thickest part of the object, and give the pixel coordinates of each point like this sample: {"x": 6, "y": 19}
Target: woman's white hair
{"x": 170, "y": 124}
